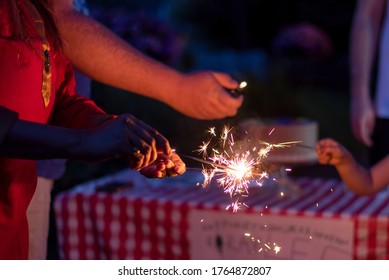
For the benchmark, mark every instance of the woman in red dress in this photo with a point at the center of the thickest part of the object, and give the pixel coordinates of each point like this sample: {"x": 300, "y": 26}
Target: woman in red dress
{"x": 42, "y": 116}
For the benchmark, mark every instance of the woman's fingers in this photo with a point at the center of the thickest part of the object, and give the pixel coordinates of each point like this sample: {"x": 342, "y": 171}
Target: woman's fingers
{"x": 141, "y": 140}
{"x": 162, "y": 144}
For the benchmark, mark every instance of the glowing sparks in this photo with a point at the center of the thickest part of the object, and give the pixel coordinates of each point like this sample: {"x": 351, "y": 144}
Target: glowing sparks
{"x": 212, "y": 131}
{"x": 264, "y": 246}
{"x": 224, "y": 136}
{"x": 235, "y": 206}
{"x": 203, "y": 149}
{"x": 233, "y": 165}
{"x": 277, "y": 249}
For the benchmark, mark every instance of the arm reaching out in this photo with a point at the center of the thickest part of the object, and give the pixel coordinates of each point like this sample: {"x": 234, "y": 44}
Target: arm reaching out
{"x": 105, "y": 57}
{"x": 123, "y": 137}
{"x": 357, "y": 178}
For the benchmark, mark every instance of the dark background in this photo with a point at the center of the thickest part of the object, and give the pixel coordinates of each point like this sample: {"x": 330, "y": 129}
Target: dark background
{"x": 247, "y": 39}
{"x": 238, "y": 37}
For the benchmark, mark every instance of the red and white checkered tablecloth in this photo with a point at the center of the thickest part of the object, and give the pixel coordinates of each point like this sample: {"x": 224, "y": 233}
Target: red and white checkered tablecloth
{"x": 147, "y": 221}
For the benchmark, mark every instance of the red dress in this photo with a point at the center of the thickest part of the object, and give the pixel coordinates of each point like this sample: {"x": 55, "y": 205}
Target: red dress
{"x": 20, "y": 91}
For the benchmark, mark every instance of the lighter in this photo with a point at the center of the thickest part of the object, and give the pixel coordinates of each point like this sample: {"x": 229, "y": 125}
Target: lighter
{"x": 236, "y": 92}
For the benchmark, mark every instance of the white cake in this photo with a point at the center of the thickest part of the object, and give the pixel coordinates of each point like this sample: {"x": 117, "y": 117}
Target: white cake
{"x": 280, "y": 130}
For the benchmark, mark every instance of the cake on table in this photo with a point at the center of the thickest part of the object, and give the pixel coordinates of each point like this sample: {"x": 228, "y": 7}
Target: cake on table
{"x": 280, "y": 130}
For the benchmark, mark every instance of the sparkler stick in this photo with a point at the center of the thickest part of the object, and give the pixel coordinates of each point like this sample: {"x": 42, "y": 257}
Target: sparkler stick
{"x": 289, "y": 144}
{"x": 208, "y": 162}
{"x": 213, "y": 164}
{"x": 305, "y": 146}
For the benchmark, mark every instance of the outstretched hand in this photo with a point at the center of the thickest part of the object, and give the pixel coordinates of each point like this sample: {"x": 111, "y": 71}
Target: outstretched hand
{"x": 331, "y": 152}
{"x": 127, "y": 137}
{"x": 202, "y": 95}
{"x": 123, "y": 137}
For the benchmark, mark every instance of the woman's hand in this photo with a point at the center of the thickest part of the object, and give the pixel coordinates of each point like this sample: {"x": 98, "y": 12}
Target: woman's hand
{"x": 170, "y": 166}
{"x": 123, "y": 137}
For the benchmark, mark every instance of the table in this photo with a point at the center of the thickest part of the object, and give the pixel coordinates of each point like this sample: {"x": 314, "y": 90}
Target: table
{"x": 178, "y": 219}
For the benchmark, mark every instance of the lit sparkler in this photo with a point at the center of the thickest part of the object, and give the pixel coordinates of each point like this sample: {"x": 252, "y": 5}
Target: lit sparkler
{"x": 233, "y": 165}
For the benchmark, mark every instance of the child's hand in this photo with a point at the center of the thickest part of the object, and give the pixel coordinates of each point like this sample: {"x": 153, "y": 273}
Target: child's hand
{"x": 331, "y": 152}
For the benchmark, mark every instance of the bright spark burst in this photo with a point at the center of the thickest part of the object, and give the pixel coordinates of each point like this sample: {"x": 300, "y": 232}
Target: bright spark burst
{"x": 203, "y": 149}
{"x": 212, "y": 131}
{"x": 233, "y": 165}
{"x": 277, "y": 249}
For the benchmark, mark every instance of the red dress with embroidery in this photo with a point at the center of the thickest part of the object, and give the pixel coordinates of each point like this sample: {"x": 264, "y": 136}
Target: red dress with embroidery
{"x": 21, "y": 91}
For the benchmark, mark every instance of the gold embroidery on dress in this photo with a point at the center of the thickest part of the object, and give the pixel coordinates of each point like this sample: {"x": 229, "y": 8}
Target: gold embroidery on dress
{"x": 46, "y": 64}
{"x": 46, "y": 75}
